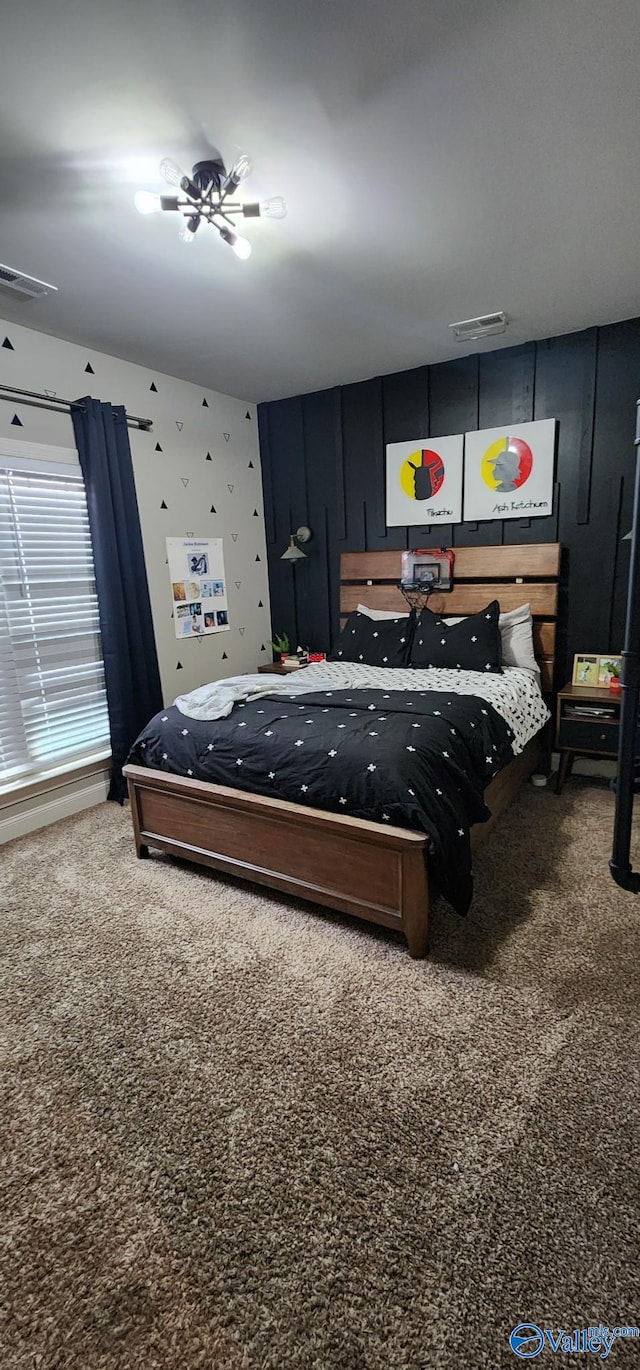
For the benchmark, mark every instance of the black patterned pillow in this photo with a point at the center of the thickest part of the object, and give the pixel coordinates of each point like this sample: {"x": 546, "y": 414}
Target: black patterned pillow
{"x": 374, "y": 642}
{"x": 473, "y": 644}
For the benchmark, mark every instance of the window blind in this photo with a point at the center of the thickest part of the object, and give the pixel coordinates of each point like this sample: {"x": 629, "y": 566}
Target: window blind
{"x": 53, "y": 705}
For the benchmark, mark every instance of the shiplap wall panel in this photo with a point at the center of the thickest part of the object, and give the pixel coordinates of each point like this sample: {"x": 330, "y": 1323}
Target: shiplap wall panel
{"x": 589, "y": 381}
{"x": 405, "y": 399}
{"x": 324, "y": 492}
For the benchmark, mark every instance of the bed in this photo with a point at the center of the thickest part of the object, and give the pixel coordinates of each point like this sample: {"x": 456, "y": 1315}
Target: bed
{"x": 380, "y": 869}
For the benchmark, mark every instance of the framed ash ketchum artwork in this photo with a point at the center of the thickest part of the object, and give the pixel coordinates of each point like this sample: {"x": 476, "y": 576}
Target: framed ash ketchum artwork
{"x": 508, "y": 471}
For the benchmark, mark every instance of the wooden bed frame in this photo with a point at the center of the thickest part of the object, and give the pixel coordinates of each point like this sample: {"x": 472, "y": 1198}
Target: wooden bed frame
{"x": 374, "y": 872}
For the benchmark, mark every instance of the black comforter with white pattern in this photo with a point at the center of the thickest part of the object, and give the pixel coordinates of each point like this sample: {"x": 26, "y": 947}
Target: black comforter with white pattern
{"x": 414, "y": 759}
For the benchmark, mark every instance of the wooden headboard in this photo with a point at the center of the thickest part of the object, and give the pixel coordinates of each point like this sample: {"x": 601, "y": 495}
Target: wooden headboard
{"x": 514, "y": 575}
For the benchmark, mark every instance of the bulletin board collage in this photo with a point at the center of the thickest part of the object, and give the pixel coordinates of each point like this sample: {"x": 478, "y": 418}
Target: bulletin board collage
{"x": 198, "y": 586}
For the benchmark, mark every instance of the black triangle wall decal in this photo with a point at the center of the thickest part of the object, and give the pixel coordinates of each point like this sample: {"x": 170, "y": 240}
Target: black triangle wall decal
{"x": 263, "y": 648}
{"x": 163, "y": 505}
{"x": 260, "y": 604}
{"x": 238, "y": 583}
{"x": 226, "y": 436}
{"x": 257, "y": 557}
{"x": 180, "y": 424}
{"x": 17, "y": 422}
{"x": 158, "y": 447}
{"x": 208, "y": 457}
{"x": 247, "y": 415}
{"x": 179, "y": 666}
{"x": 8, "y": 343}
{"x": 205, "y": 404}
{"x": 212, "y": 509}
{"x": 256, "y": 514}
{"x": 90, "y": 369}
{"x": 224, "y": 656}
{"x": 241, "y": 631}
{"x": 250, "y": 466}
{"x": 234, "y": 537}
{"x": 153, "y": 387}
{"x": 230, "y": 488}
{"x": 185, "y": 481}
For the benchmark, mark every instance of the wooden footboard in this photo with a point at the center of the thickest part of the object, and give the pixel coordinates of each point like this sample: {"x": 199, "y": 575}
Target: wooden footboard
{"x": 373, "y": 872}
{"x": 361, "y": 868}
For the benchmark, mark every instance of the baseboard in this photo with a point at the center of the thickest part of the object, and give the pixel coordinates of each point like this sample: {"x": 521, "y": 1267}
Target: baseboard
{"x": 28, "y": 815}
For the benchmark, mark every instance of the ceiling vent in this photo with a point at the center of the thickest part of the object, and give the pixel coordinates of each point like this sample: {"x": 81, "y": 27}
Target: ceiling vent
{"x": 485, "y": 326}
{"x": 14, "y": 285}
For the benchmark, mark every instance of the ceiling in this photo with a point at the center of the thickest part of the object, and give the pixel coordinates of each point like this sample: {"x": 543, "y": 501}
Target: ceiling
{"x": 440, "y": 159}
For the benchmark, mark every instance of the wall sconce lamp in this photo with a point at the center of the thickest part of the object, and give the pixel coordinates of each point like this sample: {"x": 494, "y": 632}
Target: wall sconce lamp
{"x": 293, "y": 553}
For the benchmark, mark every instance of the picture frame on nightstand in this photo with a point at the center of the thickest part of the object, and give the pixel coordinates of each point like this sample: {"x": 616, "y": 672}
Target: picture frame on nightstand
{"x": 609, "y": 670}
{"x": 585, "y": 669}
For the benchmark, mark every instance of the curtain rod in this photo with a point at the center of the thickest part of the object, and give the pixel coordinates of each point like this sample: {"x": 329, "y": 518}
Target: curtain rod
{"x": 33, "y": 397}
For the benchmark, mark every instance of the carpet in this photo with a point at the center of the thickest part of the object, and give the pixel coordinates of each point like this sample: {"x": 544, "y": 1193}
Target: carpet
{"x": 241, "y": 1132}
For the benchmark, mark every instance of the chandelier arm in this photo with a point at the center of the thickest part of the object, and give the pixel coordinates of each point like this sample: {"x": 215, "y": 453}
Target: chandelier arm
{"x": 224, "y": 216}
{"x": 223, "y": 194}
{"x": 181, "y": 206}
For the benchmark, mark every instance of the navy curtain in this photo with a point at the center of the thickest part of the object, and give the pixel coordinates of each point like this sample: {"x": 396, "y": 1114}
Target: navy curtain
{"x": 130, "y": 659}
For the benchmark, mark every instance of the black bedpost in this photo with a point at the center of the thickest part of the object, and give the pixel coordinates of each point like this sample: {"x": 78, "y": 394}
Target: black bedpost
{"x": 619, "y": 864}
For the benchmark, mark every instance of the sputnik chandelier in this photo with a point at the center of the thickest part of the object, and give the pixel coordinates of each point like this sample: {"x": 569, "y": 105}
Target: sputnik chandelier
{"x": 208, "y": 196}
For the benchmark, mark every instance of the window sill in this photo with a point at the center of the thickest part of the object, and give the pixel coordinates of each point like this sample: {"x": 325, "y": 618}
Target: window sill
{"x": 46, "y": 781}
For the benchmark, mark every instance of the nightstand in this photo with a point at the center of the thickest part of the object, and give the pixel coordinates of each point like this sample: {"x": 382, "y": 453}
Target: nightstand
{"x": 587, "y": 724}
{"x": 278, "y": 669}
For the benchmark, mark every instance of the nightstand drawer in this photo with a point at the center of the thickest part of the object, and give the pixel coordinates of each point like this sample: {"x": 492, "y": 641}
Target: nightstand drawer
{"x": 588, "y": 735}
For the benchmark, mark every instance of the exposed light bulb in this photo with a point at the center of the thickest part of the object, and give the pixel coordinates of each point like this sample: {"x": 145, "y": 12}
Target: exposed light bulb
{"x": 191, "y": 226}
{"x": 146, "y": 202}
{"x": 275, "y": 208}
{"x": 171, "y": 172}
{"x": 241, "y": 246}
{"x": 240, "y": 169}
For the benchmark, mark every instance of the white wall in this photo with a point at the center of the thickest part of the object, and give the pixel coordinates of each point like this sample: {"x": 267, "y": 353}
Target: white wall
{"x": 180, "y": 475}
{"x": 209, "y": 457}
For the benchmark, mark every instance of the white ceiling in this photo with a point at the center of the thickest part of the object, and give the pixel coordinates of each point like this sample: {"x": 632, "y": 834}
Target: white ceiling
{"x": 440, "y": 159}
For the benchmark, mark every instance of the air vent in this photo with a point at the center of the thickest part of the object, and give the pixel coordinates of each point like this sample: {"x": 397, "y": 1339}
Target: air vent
{"x": 469, "y": 330}
{"x": 14, "y": 285}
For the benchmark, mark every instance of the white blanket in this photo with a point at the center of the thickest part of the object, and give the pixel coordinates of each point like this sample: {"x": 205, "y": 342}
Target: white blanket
{"x": 217, "y": 699}
{"x": 514, "y": 693}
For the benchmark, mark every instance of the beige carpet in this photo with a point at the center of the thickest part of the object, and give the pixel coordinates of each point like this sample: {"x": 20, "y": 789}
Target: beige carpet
{"x": 245, "y": 1134}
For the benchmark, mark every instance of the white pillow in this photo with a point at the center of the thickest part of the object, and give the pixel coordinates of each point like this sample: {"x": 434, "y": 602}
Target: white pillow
{"x": 379, "y": 613}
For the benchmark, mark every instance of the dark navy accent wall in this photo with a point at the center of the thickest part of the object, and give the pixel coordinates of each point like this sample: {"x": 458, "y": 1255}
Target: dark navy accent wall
{"x": 323, "y": 463}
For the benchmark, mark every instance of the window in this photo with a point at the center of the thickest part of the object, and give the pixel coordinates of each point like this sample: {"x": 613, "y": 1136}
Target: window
{"x": 53, "y": 706}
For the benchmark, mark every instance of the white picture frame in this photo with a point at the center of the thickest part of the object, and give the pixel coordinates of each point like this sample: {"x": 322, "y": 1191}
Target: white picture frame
{"x": 424, "y": 481}
{"x": 508, "y": 471}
